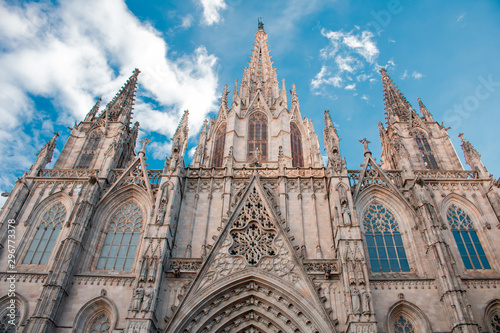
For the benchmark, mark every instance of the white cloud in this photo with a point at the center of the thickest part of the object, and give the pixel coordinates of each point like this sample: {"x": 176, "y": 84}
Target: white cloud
{"x": 391, "y": 40}
{"x": 187, "y": 21}
{"x": 405, "y": 75}
{"x": 325, "y": 77}
{"x": 460, "y": 18}
{"x": 73, "y": 53}
{"x": 416, "y": 75}
{"x": 365, "y": 98}
{"x": 352, "y": 52}
{"x": 211, "y": 9}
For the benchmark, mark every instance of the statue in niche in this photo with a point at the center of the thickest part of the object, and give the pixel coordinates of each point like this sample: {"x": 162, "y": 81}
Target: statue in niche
{"x": 148, "y": 299}
{"x": 161, "y": 212}
{"x": 346, "y": 213}
{"x": 359, "y": 272}
{"x": 137, "y": 300}
{"x": 356, "y": 304}
{"x": 152, "y": 270}
{"x": 365, "y": 301}
{"x": 350, "y": 266}
{"x": 144, "y": 270}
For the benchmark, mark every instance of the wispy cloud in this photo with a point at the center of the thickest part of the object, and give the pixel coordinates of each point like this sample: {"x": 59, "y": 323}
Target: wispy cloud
{"x": 405, "y": 74}
{"x": 71, "y": 53}
{"x": 211, "y": 11}
{"x": 416, "y": 75}
{"x": 460, "y": 18}
{"x": 352, "y": 53}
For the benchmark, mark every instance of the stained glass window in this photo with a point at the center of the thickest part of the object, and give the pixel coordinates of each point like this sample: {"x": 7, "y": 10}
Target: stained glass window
{"x": 425, "y": 150}
{"x": 220, "y": 139}
{"x": 383, "y": 239}
{"x": 121, "y": 240}
{"x": 403, "y": 325}
{"x": 7, "y": 325}
{"x": 296, "y": 143}
{"x": 101, "y": 324}
{"x": 46, "y": 235}
{"x": 90, "y": 148}
{"x": 468, "y": 244}
{"x": 495, "y": 323}
{"x": 257, "y": 136}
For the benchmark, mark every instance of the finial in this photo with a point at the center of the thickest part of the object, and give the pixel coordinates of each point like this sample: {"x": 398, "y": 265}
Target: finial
{"x": 136, "y": 71}
{"x": 383, "y": 71}
{"x": 260, "y": 24}
{"x": 365, "y": 146}
{"x": 144, "y": 142}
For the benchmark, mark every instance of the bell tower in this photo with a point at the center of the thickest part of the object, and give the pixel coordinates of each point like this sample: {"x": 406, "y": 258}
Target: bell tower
{"x": 412, "y": 142}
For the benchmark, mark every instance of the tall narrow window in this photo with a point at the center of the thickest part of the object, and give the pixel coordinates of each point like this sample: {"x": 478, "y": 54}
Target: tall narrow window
{"x": 425, "y": 150}
{"x": 385, "y": 246}
{"x": 220, "y": 138}
{"x": 468, "y": 244}
{"x": 257, "y": 136}
{"x": 122, "y": 238}
{"x": 296, "y": 143}
{"x": 46, "y": 235}
{"x": 495, "y": 323}
{"x": 90, "y": 148}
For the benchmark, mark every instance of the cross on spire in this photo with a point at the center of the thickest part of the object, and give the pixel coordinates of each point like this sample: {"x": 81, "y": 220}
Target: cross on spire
{"x": 144, "y": 142}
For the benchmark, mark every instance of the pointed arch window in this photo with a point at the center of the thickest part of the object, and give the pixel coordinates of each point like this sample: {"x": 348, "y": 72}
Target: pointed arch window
{"x": 403, "y": 325}
{"x": 468, "y": 244}
{"x": 383, "y": 239}
{"x": 257, "y": 136}
{"x": 425, "y": 150}
{"x": 46, "y": 235}
{"x": 296, "y": 144}
{"x": 122, "y": 238}
{"x": 90, "y": 148}
{"x": 100, "y": 324}
{"x": 220, "y": 138}
{"x": 10, "y": 321}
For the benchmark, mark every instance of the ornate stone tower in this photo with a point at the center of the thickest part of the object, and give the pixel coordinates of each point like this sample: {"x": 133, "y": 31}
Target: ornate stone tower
{"x": 256, "y": 235}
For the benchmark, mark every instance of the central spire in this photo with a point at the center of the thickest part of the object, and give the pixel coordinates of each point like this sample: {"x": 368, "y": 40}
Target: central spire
{"x": 260, "y": 75}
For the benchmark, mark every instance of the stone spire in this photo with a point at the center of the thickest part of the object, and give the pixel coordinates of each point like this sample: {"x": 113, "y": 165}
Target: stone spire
{"x": 179, "y": 141}
{"x": 44, "y": 156}
{"x": 332, "y": 145}
{"x": 472, "y": 157}
{"x": 92, "y": 113}
{"x": 121, "y": 106}
{"x": 199, "y": 154}
{"x": 260, "y": 75}
{"x": 423, "y": 110}
{"x": 397, "y": 107}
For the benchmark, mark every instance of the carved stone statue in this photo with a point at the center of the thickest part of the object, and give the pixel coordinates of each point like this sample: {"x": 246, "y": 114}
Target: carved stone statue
{"x": 356, "y": 304}
{"x": 152, "y": 270}
{"x": 144, "y": 270}
{"x": 346, "y": 213}
{"x": 161, "y": 212}
{"x": 137, "y": 300}
{"x": 365, "y": 301}
{"x": 148, "y": 299}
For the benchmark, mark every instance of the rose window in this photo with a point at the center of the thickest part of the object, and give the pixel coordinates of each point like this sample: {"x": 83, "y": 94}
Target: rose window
{"x": 253, "y": 242}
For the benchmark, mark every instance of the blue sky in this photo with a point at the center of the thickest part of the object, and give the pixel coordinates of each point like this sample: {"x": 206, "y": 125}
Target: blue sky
{"x": 57, "y": 58}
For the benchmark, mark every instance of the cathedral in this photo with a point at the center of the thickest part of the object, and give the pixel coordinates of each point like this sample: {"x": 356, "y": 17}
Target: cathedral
{"x": 256, "y": 235}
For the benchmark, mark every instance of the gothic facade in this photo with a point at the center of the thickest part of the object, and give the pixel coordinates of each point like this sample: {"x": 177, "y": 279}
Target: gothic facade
{"x": 256, "y": 234}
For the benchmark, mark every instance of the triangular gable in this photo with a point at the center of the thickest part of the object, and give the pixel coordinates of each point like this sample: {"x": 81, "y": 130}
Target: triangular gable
{"x": 253, "y": 242}
{"x": 136, "y": 174}
{"x": 259, "y": 102}
{"x": 372, "y": 174}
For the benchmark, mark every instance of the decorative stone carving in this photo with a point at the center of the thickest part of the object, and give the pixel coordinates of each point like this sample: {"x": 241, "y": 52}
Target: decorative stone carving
{"x": 355, "y": 300}
{"x": 137, "y": 300}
